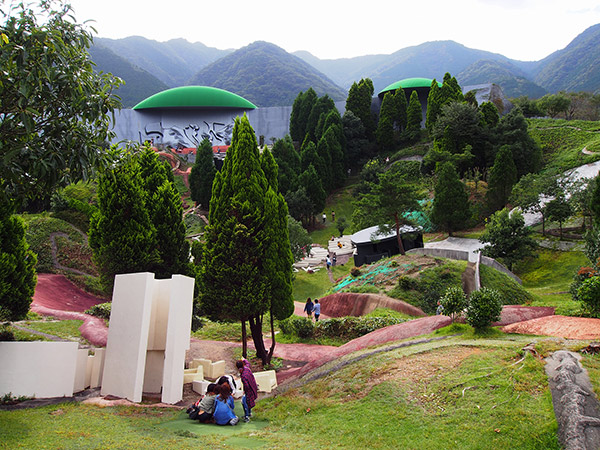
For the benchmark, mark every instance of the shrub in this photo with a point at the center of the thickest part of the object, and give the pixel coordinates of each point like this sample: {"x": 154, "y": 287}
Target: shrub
{"x": 304, "y": 327}
{"x": 6, "y": 333}
{"x": 101, "y": 310}
{"x": 355, "y": 271}
{"x": 454, "y": 301}
{"x": 589, "y": 294}
{"x": 484, "y": 308}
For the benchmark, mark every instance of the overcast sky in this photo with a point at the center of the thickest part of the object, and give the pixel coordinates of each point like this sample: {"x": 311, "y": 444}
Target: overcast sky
{"x": 526, "y": 30}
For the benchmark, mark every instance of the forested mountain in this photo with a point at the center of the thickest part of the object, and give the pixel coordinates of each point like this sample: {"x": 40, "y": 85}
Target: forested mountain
{"x": 173, "y": 62}
{"x": 576, "y": 67}
{"x": 266, "y": 75}
{"x": 513, "y": 81}
{"x": 139, "y": 84}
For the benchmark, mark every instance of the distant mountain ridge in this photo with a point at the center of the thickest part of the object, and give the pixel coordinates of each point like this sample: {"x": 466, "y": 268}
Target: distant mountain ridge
{"x": 266, "y": 75}
{"x": 257, "y": 71}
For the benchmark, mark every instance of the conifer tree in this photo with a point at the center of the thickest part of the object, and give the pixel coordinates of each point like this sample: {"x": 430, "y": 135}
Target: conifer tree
{"x": 385, "y": 126}
{"x": 359, "y": 102}
{"x": 434, "y": 106}
{"x": 242, "y": 255}
{"x": 202, "y": 174}
{"x": 310, "y": 156}
{"x": 414, "y": 115}
{"x": 309, "y": 180}
{"x": 338, "y": 172}
{"x": 451, "y": 202}
{"x": 17, "y": 266}
{"x": 122, "y": 236}
{"x": 489, "y": 114}
{"x": 502, "y": 178}
{"x": 401, "y": 109}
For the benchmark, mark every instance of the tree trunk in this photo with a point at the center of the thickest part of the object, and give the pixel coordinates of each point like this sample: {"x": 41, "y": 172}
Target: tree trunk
{"x": 244, "y": 341}
{"x": 257, "y": 337}
{"x": 272, "y": 349}
{"x": 400, "y": 245}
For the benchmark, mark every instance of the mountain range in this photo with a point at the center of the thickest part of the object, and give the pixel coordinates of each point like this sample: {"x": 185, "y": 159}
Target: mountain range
{"x": 269, "y": 76}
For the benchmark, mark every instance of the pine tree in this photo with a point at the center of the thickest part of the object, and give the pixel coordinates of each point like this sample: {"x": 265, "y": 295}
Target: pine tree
{"x": 17, "y": 266}
{"x": 434, "y": 106}
{"x": 489, "y": 114}
{"x": 323, "y": 106}
{"x": 595, "y": 202}
{"x": 237, "y": 274}
{"x": 451, "y": 202}
{"x": 202, "y": 174}
{"x": 309, "y": 180}
{"x": 502, "y": 178}
{"x": 359, "y": 102}
{"x": 301, "y": 109}
{"x": 122, "y": 236}
{"x": 401, "y": 109}
{"x": 385, "y": 126}
{"x": 309, "y": 156}
{"x": 338, "y": 172}
{"x": 414, "y": 115}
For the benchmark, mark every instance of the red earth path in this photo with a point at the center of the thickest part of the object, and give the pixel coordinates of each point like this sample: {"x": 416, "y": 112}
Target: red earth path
{"x": 58, "y": 297}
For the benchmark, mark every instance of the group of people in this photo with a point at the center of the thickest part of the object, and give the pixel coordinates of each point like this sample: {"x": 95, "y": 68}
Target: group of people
{"x": 217, "y": 405}
{"x": 311, "y": 308}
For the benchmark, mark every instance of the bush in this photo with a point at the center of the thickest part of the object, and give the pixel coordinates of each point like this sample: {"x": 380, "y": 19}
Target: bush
{"x": 101, "y": 310}
{"x": 484, "y": 308}
{"x": 6, "y": 333}
{"x": 341, "y": 327}
{"x": 454, "y": 301}
{"x": 589, "y": 294}
{"x": 355, "y": 271}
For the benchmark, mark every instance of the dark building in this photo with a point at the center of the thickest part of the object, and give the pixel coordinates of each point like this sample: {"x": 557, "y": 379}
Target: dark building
{"x": 372, "y": 246}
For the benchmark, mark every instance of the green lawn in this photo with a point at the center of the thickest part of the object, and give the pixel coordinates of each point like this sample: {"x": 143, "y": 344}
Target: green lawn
{"x": 455, "y": 393}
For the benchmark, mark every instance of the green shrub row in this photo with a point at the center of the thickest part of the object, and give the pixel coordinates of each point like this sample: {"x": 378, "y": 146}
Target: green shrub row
{"x": 101, "y": 310}
{"x": 343, "y": 327}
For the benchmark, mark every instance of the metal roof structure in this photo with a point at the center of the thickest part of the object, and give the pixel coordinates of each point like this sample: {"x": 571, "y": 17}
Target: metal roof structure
{"x": 195, "y": 97}
{"x": 409, "y": 83}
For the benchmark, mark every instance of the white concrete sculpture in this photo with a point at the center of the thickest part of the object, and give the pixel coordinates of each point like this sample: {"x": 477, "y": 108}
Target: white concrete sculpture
{"x": 148, "y": 335}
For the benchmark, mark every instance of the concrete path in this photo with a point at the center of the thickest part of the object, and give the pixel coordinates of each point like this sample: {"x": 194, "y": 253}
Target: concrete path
{"x": 462, "y": 244}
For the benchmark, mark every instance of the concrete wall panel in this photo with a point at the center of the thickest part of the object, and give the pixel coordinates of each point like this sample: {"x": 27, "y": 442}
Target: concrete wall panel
{"x": 38, "y": 369}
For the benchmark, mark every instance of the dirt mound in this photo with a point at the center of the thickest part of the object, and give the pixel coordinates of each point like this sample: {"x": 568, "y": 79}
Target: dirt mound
{"x": 518, "y": 313}
{"x": 558, "y": 326}
{"x": 57, "y": 292}
{"x": 353, "y": 304}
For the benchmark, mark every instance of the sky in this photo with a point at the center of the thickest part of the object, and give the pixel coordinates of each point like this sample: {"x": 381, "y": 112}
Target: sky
{"x": 526, "y": 30}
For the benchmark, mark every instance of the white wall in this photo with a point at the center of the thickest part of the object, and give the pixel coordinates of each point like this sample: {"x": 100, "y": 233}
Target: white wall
{"x": 38, "y": 369}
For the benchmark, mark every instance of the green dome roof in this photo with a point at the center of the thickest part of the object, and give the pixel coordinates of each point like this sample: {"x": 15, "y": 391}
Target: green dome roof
{"x": 410, "y": 83}
{"x": 195, "y": 97}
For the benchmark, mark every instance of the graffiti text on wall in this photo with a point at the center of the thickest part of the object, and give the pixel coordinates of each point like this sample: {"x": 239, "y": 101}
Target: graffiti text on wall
{"x": 192, "y": 135}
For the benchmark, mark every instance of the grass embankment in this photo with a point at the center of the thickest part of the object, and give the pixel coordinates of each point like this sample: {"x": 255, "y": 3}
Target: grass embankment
{"x": 562, "y": 142}
{"x": 453, "y": 393}
{"x": 548, "y": 277}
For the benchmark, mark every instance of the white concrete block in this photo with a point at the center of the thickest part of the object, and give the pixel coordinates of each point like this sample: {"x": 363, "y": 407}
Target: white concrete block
{"x": 217, "y": 369}
{"x": 200, "y": 386}
{"x": 179, "y": 323}
{"x": 38, "y": 369}
{"x": 266, "y": 381}
{"x": 97, "y": 368}
{"x": 125, "y": 359}
{"x": 81, "y": 370}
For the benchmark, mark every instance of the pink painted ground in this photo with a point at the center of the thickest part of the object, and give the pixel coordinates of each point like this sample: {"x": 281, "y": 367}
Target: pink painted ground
{"x": 58, "y": 297}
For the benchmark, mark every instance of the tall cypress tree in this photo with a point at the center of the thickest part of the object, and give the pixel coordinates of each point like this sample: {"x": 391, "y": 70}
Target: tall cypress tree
{"x": 451, "y": 201}
{"x": 278, "y": 254}
{"x": 122, "y": 236}
{"x": 310, "y": 180}
{"x": 202, "y": 174}
{"x": 289, "y": 164}
{"x": 502, "y": 178}
{"x": 17, "y": 266}
{"x": 414, "y": 115}
{"x": 401, "y": 109}
{"x": 238, "y": 258}
{"x": 385, "y": 126}
{"x": 434, "y": 106}
{"x": 359, "y": 102}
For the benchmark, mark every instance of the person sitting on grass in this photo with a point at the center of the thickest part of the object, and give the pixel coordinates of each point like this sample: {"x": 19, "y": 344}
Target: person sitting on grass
{"x": 250, "y": 387}
{"x": 224, "y": 406}
{"x": 207, "y": 404}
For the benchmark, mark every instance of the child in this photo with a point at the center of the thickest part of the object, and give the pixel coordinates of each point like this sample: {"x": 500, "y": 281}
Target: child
{"x": 250, "y": 387}
{"x": 317, "y": 309}
{"x": 224, "y": 406}
{"x": 308, "y": 307}
{"x": 203, "y": 409}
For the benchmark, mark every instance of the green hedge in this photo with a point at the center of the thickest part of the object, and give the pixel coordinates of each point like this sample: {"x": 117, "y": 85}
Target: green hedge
{"x": 343, "y": 327}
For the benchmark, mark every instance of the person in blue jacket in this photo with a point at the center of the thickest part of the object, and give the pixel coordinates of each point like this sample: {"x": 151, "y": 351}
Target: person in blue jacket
{"x": 224, "y": 414}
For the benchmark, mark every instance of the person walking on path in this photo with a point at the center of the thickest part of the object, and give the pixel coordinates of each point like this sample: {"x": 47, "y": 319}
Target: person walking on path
{"x": 250, "y": 387}
{"x": 328, "y": 262}
{"x": 308, "y": 307}
{"x": 332, "y": 216}
{"x": 324, "y": 217}
{"x": 333, "y": 259}
{"x": 317, "y": 309}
